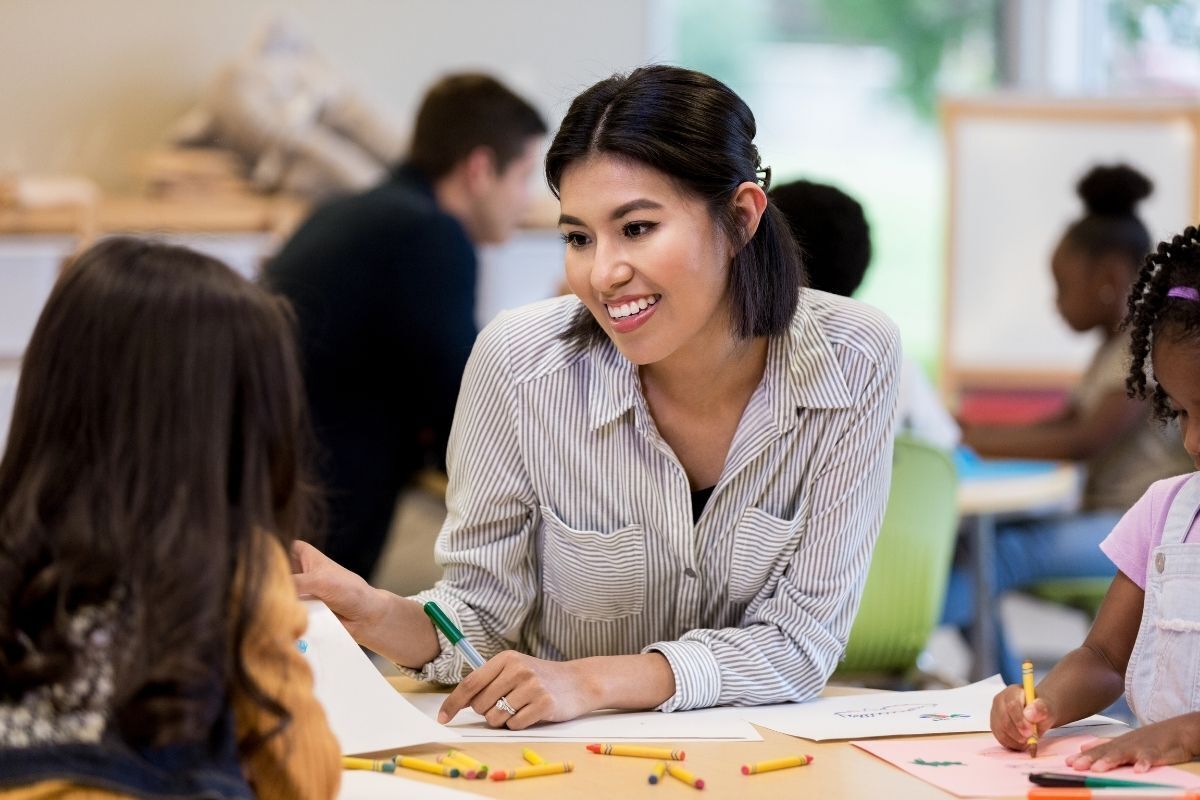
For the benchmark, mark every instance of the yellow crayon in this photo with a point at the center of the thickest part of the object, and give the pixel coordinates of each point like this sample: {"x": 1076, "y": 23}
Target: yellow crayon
{"x": 531, "y": 757}
{"x": 555, "y": 768}
{"x": 1027, "y": 682}
{"x": 679, "y": 773}
{"x": 659, "y": 769}
{"x": 349, "y": 762}
{"x": 422, "y": 765}
{"x": 776, "y": 763}
{"x": 481, "y": 769}
{"x": 661, "y": 753}
{"x": 464, "y": 769}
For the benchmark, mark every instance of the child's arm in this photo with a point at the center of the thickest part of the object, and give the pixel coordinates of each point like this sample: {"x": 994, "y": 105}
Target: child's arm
{"x": 1068, "y": 436}
{"x": 303, "y": 761}
{"x": 1087, "y": 680}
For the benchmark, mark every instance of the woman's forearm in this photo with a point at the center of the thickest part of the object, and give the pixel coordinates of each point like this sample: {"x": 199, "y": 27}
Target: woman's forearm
{"x": 636, "y": 682}
{"x": 398, "y": 630}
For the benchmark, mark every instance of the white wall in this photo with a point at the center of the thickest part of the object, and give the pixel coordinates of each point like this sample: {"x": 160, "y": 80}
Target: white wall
{"x": 87, "y": 86}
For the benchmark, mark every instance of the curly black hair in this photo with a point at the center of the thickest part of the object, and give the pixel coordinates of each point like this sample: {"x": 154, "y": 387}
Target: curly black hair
{"x": 1154, "y": 314}
{"x": 831, "y": 229}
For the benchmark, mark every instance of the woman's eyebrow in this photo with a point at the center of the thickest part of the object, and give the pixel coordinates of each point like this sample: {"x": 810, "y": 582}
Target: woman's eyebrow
{"x": 634, "y": 205}
{"x": 640, "y": 204}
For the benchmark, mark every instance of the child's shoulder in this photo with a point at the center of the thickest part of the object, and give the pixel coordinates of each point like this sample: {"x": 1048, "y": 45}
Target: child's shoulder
{"x": 1140, "y": 530}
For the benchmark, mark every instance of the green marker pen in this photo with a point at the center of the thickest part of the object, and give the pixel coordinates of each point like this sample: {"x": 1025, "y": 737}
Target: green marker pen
{"x": 455, "y": 636}
{"x": 457, "y": 639}
{"x": 1092, "y": 781}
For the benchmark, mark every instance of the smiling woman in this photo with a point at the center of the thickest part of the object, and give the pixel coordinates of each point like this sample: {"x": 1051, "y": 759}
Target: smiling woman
{"x": 664, "y": 491}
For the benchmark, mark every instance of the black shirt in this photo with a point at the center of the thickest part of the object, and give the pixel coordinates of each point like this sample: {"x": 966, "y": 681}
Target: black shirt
{"x": 383, "y": 284}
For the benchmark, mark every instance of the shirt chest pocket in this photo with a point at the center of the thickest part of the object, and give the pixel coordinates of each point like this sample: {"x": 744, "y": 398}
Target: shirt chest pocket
{"x": 592, "y": 575}
{"x": 761, "y": 542}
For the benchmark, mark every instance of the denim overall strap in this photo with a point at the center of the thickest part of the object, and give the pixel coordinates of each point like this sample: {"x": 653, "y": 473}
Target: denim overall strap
{"x": 1163, "y": 676}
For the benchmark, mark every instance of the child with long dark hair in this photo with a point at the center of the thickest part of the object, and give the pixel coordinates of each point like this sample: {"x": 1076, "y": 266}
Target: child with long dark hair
{"x": 1146, "y": 638}
{"x": 151, "y": 486}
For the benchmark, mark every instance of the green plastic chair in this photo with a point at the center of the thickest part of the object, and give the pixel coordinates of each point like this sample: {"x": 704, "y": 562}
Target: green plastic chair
{"x": 906, "y": 584}
{"x": 1086, "y": 594}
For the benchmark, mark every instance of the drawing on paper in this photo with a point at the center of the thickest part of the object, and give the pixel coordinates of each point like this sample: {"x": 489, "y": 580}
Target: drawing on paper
{"x": 944, "y": 717}
{"x": 882, "y": 711}
{"x": 920, "y": 762}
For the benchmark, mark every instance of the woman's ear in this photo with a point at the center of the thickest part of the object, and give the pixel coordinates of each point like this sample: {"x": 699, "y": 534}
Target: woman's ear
{"x": 749, "y": 204}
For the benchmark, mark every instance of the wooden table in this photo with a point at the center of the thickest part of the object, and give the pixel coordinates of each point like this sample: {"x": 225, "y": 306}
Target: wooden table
{"x": 839, "y": 771}
{"x": 981, "y": 502}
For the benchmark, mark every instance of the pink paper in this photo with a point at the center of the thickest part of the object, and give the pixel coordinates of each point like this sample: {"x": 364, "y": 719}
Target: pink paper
{"x": 979, "y": 767}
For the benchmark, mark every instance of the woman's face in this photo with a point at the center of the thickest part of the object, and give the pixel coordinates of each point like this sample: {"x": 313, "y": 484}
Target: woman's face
{"x": 646, "y": 259}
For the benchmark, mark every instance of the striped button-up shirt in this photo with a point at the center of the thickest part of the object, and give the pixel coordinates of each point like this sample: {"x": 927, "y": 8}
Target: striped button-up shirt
{"x": 570, "y": 532}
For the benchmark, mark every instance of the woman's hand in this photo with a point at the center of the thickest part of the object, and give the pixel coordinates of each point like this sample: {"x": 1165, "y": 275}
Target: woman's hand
{"x": 1013, "y": 722}
{"x": 540, "y": 691}
{"x": 349, "y": 597}
{"x": 1169, "y": 742}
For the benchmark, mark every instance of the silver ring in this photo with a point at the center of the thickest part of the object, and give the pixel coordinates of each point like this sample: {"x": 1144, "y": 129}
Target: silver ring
{"x": 503, "y": 705}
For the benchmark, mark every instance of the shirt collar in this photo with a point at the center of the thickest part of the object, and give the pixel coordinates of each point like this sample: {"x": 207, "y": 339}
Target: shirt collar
{"x": 615, "y": 385}
{"x": 410, "y": 175}
{"x": 801, "y": 372}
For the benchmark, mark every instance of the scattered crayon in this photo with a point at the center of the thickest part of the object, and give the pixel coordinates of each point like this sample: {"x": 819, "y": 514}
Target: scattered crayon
{"x": 636, "y": 751}
{"x": 421, "y": 765}
{"x": 481, "y": 769}
{"x": 531, "y": 757}
{"x": 348, "y": 762}
{"x": 555, "y": 768}
{"x": 679, "y": 773}
{"x": 464, "y": 769}
{"x": 776, "y": 763}
{"x": 657, "y": 775}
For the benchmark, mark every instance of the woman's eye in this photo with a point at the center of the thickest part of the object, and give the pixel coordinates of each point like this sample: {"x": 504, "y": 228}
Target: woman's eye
{"x": 635, "y": 229}
{"x": 575, "y": 239}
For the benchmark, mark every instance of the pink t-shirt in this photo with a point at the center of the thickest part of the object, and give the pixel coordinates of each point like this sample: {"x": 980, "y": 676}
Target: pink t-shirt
{"x": 1141, "y": 529}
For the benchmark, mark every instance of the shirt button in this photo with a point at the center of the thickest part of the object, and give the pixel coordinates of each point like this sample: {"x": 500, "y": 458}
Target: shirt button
{"x": 691, "y": 573}
{"x": 1160, "y": 562}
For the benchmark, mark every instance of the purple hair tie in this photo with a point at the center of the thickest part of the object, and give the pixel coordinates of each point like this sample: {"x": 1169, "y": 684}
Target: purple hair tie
{"x": 1184, "y": 293}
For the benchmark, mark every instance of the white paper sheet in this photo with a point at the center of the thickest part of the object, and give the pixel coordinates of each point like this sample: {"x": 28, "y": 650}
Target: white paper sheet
{"x": 713, "y": 724}
{"x": 365, "y": 712}
{"x": 363, "y": 785}
{"x": 864, "y": 716}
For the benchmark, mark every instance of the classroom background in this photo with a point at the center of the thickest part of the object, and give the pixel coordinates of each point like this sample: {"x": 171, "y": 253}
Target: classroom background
{"x": 961, "y": 126}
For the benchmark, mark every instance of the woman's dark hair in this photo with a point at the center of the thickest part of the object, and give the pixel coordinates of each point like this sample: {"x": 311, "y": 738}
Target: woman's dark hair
{"x": 1155, "y": 313}
{"x": 157, "y": 440}
{"x": 695, "y": 130}
{"x": 1110, "y": 223}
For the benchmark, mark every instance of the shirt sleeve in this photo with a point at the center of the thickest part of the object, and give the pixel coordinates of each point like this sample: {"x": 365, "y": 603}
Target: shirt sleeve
{"x": 303, "y": 761}
{"x": 1129, "y": 544}
{"x": 790, "y": 642}
{"x": 485, "y": 548}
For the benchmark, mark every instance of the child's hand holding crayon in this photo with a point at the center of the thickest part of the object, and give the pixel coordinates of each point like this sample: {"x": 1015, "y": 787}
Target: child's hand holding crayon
{"x": 1013, "y": 722}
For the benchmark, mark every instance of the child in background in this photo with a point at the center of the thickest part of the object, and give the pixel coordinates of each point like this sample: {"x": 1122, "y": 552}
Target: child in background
{"x": 1146, "y": 638}
{"x": 1093, "y": 265}
{"x": 151, "y": 486}
{"x": 835, "y": 238}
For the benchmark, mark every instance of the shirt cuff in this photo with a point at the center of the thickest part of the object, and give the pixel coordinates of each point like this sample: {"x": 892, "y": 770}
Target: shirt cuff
{"x": 697, "y": 675}
{"x": 449, "y": 665}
